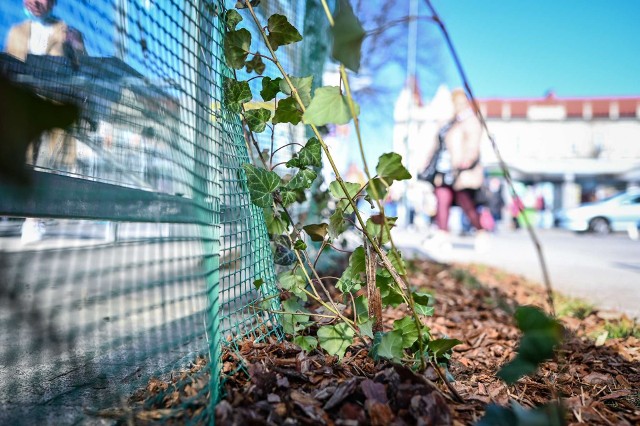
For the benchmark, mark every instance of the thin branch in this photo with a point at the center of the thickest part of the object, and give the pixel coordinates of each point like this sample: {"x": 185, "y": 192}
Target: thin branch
{"x": 503, "y": 165}
{"x": 396, "y": 22}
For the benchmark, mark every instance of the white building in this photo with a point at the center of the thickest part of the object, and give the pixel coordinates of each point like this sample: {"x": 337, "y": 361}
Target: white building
{"x": 578, "y": 145}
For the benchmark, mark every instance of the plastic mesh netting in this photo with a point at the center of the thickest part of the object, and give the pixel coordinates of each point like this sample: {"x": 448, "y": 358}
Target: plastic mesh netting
{"x": 133, "y": 250}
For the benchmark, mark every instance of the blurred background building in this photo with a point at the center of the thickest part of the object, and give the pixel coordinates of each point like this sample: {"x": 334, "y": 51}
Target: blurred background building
{"x": 567, "y": 150}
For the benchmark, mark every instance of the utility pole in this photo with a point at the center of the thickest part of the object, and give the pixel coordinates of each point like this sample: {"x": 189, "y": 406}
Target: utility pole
{"x": 412, "y": 58}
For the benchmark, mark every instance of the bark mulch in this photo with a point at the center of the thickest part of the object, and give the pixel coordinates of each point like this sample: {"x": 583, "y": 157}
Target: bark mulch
{"x": 598, "y": 382}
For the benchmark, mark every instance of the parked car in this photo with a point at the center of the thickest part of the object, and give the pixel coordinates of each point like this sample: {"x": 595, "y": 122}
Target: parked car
{"x": 617, "y": 213}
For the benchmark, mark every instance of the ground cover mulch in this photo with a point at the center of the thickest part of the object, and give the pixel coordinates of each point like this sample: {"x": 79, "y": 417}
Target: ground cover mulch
{"x": 597, "y": 380}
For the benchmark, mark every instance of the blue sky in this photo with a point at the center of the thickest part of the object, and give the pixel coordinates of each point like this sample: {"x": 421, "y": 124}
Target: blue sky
{"x": 524, "y": 48}
{"x": 518, "y": 48}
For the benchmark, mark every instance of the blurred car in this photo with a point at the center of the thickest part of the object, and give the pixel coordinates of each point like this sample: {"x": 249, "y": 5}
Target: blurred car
{"x": 616, "y": 213}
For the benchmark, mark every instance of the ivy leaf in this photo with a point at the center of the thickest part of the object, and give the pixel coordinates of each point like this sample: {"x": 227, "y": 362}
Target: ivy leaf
{"x": 390, "y": 168}
{"x": 348, "y": 35}
{"x": 421, "y": 303}
{"x": 551, "y": 414}
{"x": 281, "y": 32}
{"x": 362, "y": 308}
{"x": 236, "y": 47}
{"x": 303, "y": 179}
{"x": 299, "y": 245}
{"x": 377, "y": 188}
{"x": 288, "y": 197}
{"x": 441, "y": 346}
{"x": 328, "y": 106}
{"x": 295, "y": 315}
{"x": 257, "y": 119}
{"x": 236, "y": 93}
{"x": 302, "y": 85}
{"x": 351, "y": 279}
{"x": 232, "y": 18}
{"x": 284, "y": 256}
{"x": 293, "y": 282}
{"x": 261, "y": 184}
{"x": 309, "y": 155}
{"x": 317, "y": 232}
{"x": 270, "y": 88}
{"x": 390, "y": 294}
{"x": 258, "y": 283}
{"x": 256, "y": 64}
{"x": 407, "y": 327}
{"x": 366, "y": 328}
{"x": 306, "y": 343}
{"x": 395, "y": 257}
{"x": 336, "y": 190}
{"x": 337, "y": 224}
{"x": 287, "y": 112}
{"x": 276, "y": 225}
{"x": 390, "y": 346}
{"x": 541, "y": 334}
{"x": 335, "y": 339}
{"x": 375, "y": 228}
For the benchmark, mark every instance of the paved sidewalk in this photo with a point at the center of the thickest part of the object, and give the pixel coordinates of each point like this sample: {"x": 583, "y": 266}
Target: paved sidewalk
{"x": 603, "y": 270}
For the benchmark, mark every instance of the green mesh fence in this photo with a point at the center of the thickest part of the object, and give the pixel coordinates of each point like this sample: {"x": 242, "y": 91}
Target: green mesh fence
{"x": 133, "y": 250}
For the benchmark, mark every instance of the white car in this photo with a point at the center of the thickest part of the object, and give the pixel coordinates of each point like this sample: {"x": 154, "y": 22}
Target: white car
{"x": 620, "y": 212}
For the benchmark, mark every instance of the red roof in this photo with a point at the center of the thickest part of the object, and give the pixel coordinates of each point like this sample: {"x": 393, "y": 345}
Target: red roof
{"x": 600, "y": 106}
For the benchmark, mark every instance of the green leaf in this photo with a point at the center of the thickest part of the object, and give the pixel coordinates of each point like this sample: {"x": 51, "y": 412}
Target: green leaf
{"x": 283, "y": 255}
{"x": 335, "y": 339}
{"x": 377, "y": 188}
{"x": 407, "y": 327}
{"x": 287, "y": 112}
{"x": 293, "y": 282}
{"x": 395, "y": 257}
{"x": 309, "y": 155}
{"x": 550, "y": 414}
{"x": 281, "y": 32}
{"x": 390, "y": 294}
{"x": 328, "y": 106}
{"x": 261, "y": 184}
{"x": 236, "y": 93}
{"x": 256, "y": 64}
{"x": 270, "y": 88}
{"x": 232, "y": 18}
{"x": 421, "y": 298}
{"x": 258, "y": 283}
{"x": 302, "y": 85}
{"x": 257, "y": 119}
{"x": 299, "y": 245}
{"x": 297, "y": 314}
{"x": 236, "y": 47}
{"x": 288, "y": 197}
{"x": 375, "y": 228}
{"x": 441, "y": 346}
{"x": 362, "y": 308}
{"x": 303, "y": 179}
{"x": 307, "y": 343}
{"x": 336, "y": 190}
{"x": 366, "y": 328}
{"x": 317, "y": 232}
{"x": 541, "y": 335}
{"x": 421, "y": 303}
{"x": 348, "y": 35}
{"x": 275, "y": 223}
{"x": 351, "y": 279}
{"x": 337, "y": 224}
{"x": 390, "y": 167}
{"x": 390, "y": 346}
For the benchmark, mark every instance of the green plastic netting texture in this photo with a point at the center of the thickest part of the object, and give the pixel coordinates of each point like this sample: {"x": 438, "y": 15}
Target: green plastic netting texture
{"x": 129, "y": 247}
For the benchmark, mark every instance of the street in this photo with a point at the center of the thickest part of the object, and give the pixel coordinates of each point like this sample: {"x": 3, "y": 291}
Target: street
{"x": 602, "y": 270}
